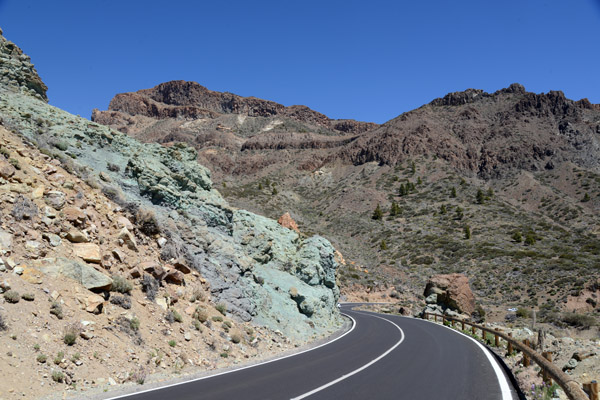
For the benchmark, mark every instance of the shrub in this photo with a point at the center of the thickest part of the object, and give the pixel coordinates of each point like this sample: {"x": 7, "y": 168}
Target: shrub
{"x": 139, "y": 376}
{"x": 172, "y": 343}
{"x": 177, "y": 317}
{"x": 120, "y": 285}
{"x": 200, "y": 314}
{"x": 222, "y": 308}
{"x": 15, "y": 163}
{"x": 147, "y": 222}
{"x": 59, "y": 357}
{"x": 224, "y": 355}
{"x": 61, "y": 145}
{"x": 197, "y": 325}
{"x": 149, "y": 286}
{"x": 467, "y": 231}
{"x": 236, "y": 338}
{"x": 28, "y": 297}
{"x": 36, "y": 347}
{"x": 523, "y": 312}
{"x": 12, "y": 296}
{"x": 121, "y": 301}
{"x": 581, "y": 321}
{"x": 134, "y": 324}
{"x": 198, "y": 295}
{"x": 56, "y": 309}
{"x": 217, "y": 318}
{"x": 41, "y": 358}
{"x": 70, "y": 333}
{"x": 112, "y": 167}
{"x": 75, "y": 357}
{"x": 58, "y": 376}
{"x": 517, "y": 237}
{"x": 530, "y": 239}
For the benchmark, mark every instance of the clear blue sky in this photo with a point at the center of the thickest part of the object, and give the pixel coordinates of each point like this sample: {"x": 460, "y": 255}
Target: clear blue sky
{"x": 368, "y": 60}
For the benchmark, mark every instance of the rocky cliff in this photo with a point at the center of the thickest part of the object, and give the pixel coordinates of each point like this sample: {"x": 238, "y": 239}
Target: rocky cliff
{"x": 257, "y": 269}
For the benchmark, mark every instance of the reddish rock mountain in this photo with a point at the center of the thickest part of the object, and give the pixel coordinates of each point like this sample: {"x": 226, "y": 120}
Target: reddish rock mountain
{"x": 453, "y": 291}
{"x": 486, "y": 134}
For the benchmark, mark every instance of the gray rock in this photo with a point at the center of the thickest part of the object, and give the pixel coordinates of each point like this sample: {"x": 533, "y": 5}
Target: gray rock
{"x": 55, "y": 199}
{"x": 86, "y": 275}
{"x": 53, "y": 239}
{"x": 431, "y": 299}
{"x": 571, "y": 364}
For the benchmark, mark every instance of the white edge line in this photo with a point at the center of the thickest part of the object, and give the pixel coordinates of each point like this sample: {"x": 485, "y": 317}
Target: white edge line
{"x": 356, "y": 371}
{"x": 504, "y": 388}
{"x": 238, "y": 369}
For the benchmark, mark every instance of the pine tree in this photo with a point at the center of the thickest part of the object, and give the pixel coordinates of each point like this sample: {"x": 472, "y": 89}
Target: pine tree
{"x": 383, "y": 245}
{"x": 274, "y": 192}
{"x": 413, "y": 167}
{"x": 395, "y": 209}
{"x": 453, "y": 193}
{"x": 459, "y": 213}
{"x": 529, "y": 239}
{"x": 480, "y": 197}
{"x": 419, "y": 181}
{"x": 443, "y": 209}
{"x": 260, "y": 187}
{"x": 377, "y": 214}
{"x": 467, "y": 231}
{"x": 403, "y": 191}
{"x": 586, "y": 198}
{"x": 517, "y": 237}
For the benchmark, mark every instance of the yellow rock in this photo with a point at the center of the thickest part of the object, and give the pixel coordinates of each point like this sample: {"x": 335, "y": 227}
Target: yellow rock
{"x": 32, "y": 275}
{"x": 38, "y": 192}
{"x": 89, "y": 252}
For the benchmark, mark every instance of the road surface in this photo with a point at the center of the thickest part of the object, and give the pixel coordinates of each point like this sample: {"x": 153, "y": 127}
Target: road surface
{"x": 382, "y": 357}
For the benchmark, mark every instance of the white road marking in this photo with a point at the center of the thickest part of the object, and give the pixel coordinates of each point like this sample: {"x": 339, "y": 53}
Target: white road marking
{"x": 356, "y": 371}
{"x": 238, "y": 369}
{"x": 504, "y": 388}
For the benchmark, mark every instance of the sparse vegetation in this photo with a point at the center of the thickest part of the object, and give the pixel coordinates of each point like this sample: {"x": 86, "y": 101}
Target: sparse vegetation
{"x": 149, "y": 286}
{"x": 222, "y": 308}
{"x": 121, "y": 301}
{"x": 172, "y": 343}
{"x": 377, "y": 213}
{"x": 120, "y": 284}
{"x": 28, "y": 297}
{"x": 56, "y": 309}
{"x": 71, "y": 333}
{"x": 58, "y": 376}
{"x": 12, "y": 296}
{"x": 41, "y": 358}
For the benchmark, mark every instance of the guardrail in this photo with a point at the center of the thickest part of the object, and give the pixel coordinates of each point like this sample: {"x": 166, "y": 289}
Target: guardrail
{"x": 571, "y": 387}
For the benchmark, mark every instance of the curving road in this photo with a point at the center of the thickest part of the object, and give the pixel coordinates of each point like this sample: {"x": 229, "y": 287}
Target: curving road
{"x": 382, "y": 357}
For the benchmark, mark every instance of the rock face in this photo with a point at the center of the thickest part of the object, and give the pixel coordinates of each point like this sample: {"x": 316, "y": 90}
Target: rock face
{"x": 18, "y": 71}
{"x": 451, "y": 291}
{"x": 287, "y": 222}
{"x": 249, "y": 262}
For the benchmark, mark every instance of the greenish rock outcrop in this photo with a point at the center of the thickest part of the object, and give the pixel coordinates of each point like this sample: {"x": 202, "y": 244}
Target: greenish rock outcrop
{"x": 251, "y": 262}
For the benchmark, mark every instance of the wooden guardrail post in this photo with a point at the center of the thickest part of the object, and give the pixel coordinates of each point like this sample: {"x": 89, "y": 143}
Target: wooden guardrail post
{"x": 510, "y": 346}
{"x": 473, "y": 330}
{"x": 591, "y": 389}
{"x": 463, "y": 325}
{"x": 496, "y": 339}
{"x": 548, "y": 356}
{"x": 525, "y": 356}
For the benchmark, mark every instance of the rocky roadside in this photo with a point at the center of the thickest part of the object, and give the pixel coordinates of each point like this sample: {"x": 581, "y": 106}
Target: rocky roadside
{"x": 87, "y": 302}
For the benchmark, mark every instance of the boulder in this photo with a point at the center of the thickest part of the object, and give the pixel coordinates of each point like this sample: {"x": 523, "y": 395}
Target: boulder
{"x": 453, "y": 291}
{"x": 86, "y": 275}
{"x": 53, "y": 239}
{"x": 287, "y": 222}
{"x": 123, "y": 222}
{"x": 89, "y": 252}
{"x": 174, "y": 276}
{"x": 38, "y": 192}
{"x": 6, "y": 169}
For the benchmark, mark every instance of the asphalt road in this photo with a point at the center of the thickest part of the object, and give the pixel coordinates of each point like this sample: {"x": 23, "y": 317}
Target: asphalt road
{"x": 383, "y": 357}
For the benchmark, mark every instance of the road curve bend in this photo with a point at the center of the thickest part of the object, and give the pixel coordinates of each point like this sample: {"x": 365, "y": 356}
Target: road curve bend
{"x": 382, "y": 357}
